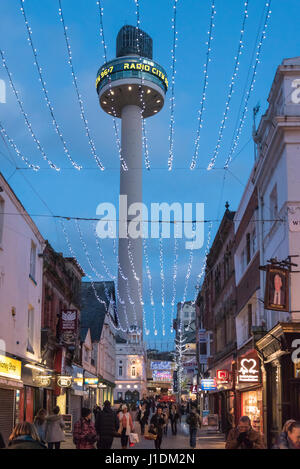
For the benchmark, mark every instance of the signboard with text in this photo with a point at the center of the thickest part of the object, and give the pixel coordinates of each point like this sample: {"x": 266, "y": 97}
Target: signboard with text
{"x": 248, "y": 370}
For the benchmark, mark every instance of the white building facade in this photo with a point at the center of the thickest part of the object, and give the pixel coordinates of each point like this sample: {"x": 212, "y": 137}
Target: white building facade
{"x": 131, "y": 363}
{"x": 21, "y": 270}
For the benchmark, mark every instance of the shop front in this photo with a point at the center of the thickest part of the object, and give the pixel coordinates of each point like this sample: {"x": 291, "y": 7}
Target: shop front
{"x": 249, "y": 391}
{"x": 10, "y": 389}
{"x": 279, "y": 352}
{"x": 221, "y": 401}
{"x": 90, "y": 388}
{"x": 37, "y": 391}
{"x": 76, "y": 394}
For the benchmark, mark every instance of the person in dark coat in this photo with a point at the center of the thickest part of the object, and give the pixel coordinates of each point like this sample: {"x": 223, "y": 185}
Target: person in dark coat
{"x": 107, "y": 424}
{"x": 156, "y": 426}
{"x": 24, "y": 436}
{"x": 174, "y": 416}
{"x": 143, "y": 416}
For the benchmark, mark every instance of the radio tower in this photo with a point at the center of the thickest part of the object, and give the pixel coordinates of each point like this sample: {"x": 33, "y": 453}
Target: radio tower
{"x": 131, "y": 87}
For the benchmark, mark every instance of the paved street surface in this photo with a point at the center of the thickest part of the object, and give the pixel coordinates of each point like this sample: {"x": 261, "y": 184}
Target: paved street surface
{"x": 205, "y": 440}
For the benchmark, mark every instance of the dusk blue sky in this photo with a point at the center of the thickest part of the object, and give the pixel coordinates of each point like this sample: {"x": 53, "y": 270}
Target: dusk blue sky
{"x": 74, "y": 193}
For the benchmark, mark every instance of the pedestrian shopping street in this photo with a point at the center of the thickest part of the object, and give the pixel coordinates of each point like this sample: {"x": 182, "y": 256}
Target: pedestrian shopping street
{"x": 205, "y": 440}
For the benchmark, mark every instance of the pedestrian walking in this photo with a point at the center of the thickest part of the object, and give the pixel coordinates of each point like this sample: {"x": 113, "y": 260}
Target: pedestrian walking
{"x": 174, "y": 416}
{"x": 107, "y": 425}
{"x": 24, "y": 436}
{"x": 84, "y": 435}
{"x": 96, "y": 409}
{"x": 289, "y": 438}
{"x": 40, "y": 424}
{"x": 244, "y": 437}
{"x": 125, "y": 425}
{"x": 194, "y": 422}
{"x": 229, "y": 422}
{"x": 142, "y": 417}
{"x": 156, "y": 426}
{"x": 166, "y": 415}
{"x": 54, "y": 429}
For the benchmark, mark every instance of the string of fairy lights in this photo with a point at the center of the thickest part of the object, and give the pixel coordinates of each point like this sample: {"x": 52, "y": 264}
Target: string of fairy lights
{"x": 149, "y": 276}
{"x": 78, "y": 94}
{"x": 162, "y": 277}
{"x": 172, "y": 98}
{"x": 231, "y": 87}
{"x": 16, "y": 149}
{"x": 45, "y": 91}
{"x": 25, "y": 115}
{"x": 100, "y": 300}
{"x": 205, "y": 85}
{"x": 114, "y": 114}
{"x": 242, "y": 120}
{"x": 202, "y": 108}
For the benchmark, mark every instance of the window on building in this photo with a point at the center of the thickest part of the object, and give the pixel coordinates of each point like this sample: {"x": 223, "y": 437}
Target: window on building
{"x": 120, "y": 396}
{"x": 249, "y": 320}
{"x": 86, "y": 354}
{"x": 1, "y": 219}
{"x": 274, "y": 204}
{"x": 30, "y": 330}
{"x": 120, "y": 370}
{"x": 32, "y": 261}
{"x": 133, "y": 371}
{"x": 253, "y": 243}
{"x": 203, "y": 348}
{"x": 248, "y": 248}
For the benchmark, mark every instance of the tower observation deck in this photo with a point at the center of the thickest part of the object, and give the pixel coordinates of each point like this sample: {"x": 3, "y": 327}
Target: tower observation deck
{"x": 131, "y": 87}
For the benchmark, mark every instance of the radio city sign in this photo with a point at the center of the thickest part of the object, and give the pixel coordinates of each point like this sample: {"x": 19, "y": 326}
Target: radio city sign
{"x": 248, "y": 369}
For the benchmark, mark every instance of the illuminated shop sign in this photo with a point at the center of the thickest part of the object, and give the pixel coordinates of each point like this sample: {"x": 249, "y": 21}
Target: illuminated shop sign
{"x": 91, "y": 381}
{"x": 161, "y": 375}
{"x": 10, "y": 368}
{"x": 64, "y": 381}
{"x": 208, "y": 384}
{"x": 131, "y": 65}
{"x": 223, "y": 376}
{"x": 248, "y": 370}
{"x": 161, "y": 365}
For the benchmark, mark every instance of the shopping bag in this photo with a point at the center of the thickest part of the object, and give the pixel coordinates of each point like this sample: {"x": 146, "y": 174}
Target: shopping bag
{"x": 134, "y": 438}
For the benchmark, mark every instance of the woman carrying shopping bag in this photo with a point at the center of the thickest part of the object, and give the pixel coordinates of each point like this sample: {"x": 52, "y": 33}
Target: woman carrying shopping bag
{"x": 126, "y": 426}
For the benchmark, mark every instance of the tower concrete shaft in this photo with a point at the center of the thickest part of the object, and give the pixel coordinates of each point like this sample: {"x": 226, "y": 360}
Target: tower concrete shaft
{"x": 129, "y": 248}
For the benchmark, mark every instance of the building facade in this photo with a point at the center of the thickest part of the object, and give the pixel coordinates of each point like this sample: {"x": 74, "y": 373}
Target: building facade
{"x": 21, "y": 274}
{"x": 131, "y": 362}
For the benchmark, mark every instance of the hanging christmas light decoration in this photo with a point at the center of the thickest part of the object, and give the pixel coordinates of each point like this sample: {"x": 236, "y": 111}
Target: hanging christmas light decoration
{"x": 242, "y": 120}
{"x": 46, "y": 94}
{"x": 149, "y": 276}
{"x": 25, "y": 115}
{"x": 202, "y": 271}
{"x": 14, "y": 146}
{"x": 100, "y": 300}
{"x": 162, "y": 277}
{"x": 172, "y": 98}
{"x": 79, "y": 97}
{"x": 231, "y": 88}
{"x": 175, "y": 268}
{"x": 205, "y": 84}
{"x": 114, "y": 114}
